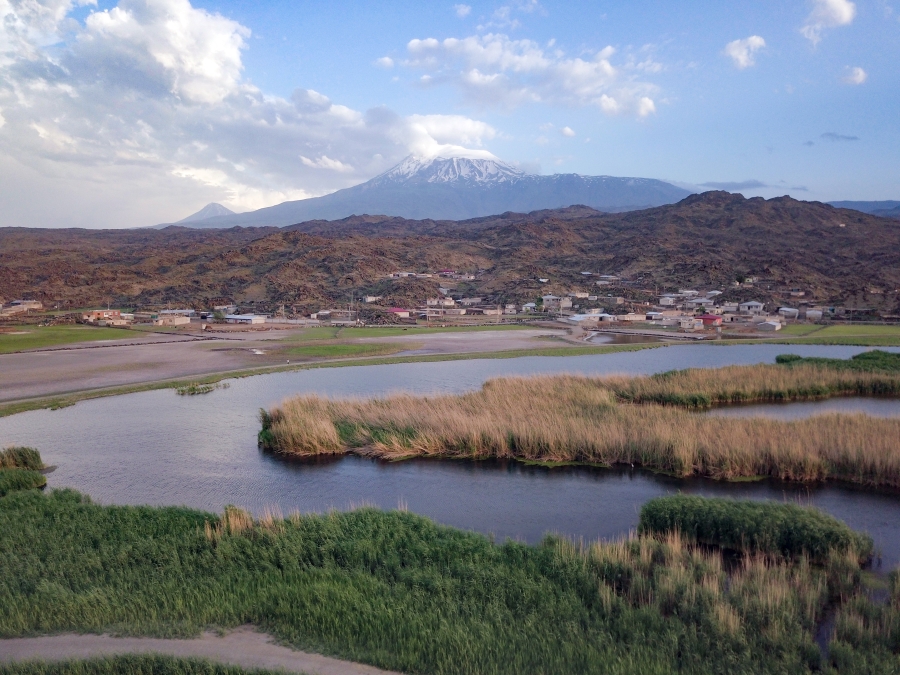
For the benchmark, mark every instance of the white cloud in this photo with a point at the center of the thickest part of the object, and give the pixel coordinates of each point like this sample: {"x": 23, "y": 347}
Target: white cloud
{"x": 385, "y": 62}
{"x": 462, "y": 11}
{"x": 141, "y": 114}
{"x": 567, "y": 131}
{"x": 743, "y": 52}
{"x": 494, "y": 70}
{"x": 855, "y": 75}
{"x": 827, "y": 14}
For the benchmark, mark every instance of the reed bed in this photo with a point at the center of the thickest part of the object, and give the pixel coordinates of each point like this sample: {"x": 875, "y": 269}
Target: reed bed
{"x": 787, "y": 530}
{"x": 396, "y": 590}
{"x": 132, "y": 664}
{"x": 582, "y": 419}
{"x": 21, "y": 458}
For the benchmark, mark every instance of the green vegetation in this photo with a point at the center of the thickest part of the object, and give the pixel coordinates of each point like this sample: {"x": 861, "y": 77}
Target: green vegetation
{"x": 12, "y": 480}
{"x": 21, "y": 458}
{"x": 596, "y": 420}
{"x": 20, "y": 470}
{"x": 343, "y": 350}
{"x": 314, "y": 333}
{"x": 787, "y": 530}
{"x": 867, "y": 362}
{"x": 862, "y": 335}
{"x": 195, "y": 388}
{"x": 397, "y": 591}
{"x": 132, "y": 664}
{"x": 35, "y": 337}
{"x": 800, "y": 329}
{"x": 391, "y": 331}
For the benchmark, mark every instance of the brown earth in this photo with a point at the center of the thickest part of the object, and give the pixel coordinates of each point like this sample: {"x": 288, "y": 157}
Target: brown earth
{"x": 836, "y": 256}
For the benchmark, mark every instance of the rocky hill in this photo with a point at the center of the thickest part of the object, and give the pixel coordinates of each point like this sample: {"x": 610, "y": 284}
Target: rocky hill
{"x": 706, "y": 241}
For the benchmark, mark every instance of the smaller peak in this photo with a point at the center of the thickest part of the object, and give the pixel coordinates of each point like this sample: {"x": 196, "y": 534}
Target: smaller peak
{"x": 211, "y": 210}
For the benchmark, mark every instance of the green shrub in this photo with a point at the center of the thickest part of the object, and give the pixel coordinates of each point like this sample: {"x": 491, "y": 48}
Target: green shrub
{"x": 12, "y": 480}
{"x": 777, "y": 529}
{"x": 875, "y": 361}
{"x": 20, "y": 458}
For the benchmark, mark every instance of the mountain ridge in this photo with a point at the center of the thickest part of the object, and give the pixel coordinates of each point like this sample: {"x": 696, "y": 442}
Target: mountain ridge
{"x": 458, "y": 188}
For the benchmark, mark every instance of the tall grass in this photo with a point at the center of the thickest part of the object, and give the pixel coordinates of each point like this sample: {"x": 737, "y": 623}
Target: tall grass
{"x": 21, "y": 458}
{"x": 397, "y": 591}
{"x": 785, "y": 530}
{"x": 12, "y": 480}
{"x": 570, "y": 418}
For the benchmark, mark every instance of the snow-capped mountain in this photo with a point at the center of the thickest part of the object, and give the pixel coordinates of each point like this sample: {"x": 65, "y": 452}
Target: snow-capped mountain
{"x": 449, "y": 170}
{"x": 458, "y": 188}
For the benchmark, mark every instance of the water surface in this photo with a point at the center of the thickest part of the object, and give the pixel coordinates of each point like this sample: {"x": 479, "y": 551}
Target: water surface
{"x": 200, "y": 451}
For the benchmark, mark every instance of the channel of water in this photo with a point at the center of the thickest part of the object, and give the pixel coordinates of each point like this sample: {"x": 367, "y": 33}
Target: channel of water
{"x": 162, "y": 449}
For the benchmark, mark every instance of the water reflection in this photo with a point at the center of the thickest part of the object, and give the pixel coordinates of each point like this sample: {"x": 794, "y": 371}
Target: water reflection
{"x": 876, "y": 407}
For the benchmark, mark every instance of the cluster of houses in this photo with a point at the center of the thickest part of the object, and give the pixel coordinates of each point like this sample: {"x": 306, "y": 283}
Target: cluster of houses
{"x": 20, "y": 307}
{"x": 169, "y": 318}
{"x": 691, "y": 310}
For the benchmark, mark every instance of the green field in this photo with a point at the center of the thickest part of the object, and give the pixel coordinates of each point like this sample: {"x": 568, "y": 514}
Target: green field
{"x": 860, "y": 335}
{"x": 35, "y": 337}
{"x": 342, "y": 350}
{"x": 132, "y": 664}
{"x": 390, "y": 331}
{"x": 800, "y": 329}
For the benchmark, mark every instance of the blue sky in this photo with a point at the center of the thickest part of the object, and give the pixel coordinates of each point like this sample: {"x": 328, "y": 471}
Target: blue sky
{"x": 128, "y": 113}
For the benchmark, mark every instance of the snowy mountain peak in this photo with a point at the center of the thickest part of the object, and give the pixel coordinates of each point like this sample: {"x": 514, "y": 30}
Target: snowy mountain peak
{"x": 415, "y": 169}
{"x": 209, "y": 211}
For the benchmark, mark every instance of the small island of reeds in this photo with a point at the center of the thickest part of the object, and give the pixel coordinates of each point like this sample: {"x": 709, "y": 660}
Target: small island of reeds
{"x": 20, "y": 470}
{"x": 644, "y": 421}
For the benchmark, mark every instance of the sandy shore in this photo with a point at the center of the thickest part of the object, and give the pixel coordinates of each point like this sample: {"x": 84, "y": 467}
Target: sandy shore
{"x": 243, "y": 647}
{"x": 99, "y": 365}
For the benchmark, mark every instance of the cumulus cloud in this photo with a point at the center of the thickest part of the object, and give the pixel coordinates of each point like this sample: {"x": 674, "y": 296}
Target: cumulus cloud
{"x": 140, "y": 114}
{"x": 385, "y": 62}
{"x": 743, "y": 52}
{"x": 854, "y": 76}
{"x": 495, "y": 70}
{"x": 827, "y": 14}
{"x": 462, "y": 11}
{"x": 567, "y": 131}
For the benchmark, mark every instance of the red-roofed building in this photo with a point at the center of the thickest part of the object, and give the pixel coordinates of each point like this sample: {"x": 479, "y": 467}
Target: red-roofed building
{"x": 710, "y": 319}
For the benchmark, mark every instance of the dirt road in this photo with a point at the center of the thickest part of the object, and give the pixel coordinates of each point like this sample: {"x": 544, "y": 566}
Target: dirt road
{"x": 243, "y": 647}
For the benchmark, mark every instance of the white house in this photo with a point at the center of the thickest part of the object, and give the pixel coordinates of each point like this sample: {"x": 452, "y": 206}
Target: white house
{"x": 668, "y": 301}
{"x": 244, "y": 318}
{"x": 814, "y": 315}
{"x": 789, "y": 312}
{"x": 751, "y": 307}
{"x": 768, "y": 326}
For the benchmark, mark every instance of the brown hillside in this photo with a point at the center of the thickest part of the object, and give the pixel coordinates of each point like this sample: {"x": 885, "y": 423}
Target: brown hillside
{"x": 704, "y": 241}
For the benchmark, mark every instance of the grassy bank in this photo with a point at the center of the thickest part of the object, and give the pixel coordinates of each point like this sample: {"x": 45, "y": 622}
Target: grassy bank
{"x": 69, "y": 399}
{"x": 581, "y": 419}
{"x": 35, "y": 337}
{"x": 861, "y": 335}
{"x": 397, "y": 591}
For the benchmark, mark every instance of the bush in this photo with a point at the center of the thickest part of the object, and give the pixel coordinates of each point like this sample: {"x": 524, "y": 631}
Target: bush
{"x": 12, "y": 480}
{"x": 775, "y": 529}
{"x": 21, "y": 458}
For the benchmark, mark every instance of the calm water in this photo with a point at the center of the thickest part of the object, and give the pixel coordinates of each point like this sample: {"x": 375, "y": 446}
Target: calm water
{"x": 875, "y": 407}
{"x": 200, "y": 451}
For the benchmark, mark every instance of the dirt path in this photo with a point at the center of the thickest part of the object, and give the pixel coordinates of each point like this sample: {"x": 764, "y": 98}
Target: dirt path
{"x": 243, "y": 647}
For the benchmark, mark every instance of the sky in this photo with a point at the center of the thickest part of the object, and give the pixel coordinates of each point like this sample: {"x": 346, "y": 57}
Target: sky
{"x": 136, "y": 112}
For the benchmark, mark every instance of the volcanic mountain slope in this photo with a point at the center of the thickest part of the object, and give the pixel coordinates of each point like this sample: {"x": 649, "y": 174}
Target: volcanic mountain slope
{"x": 704, "y": 241}
{"x": 458, "y": 188}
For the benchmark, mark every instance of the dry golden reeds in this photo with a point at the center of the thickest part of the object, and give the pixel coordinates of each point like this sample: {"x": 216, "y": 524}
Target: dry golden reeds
{"x": 582, "y": 419}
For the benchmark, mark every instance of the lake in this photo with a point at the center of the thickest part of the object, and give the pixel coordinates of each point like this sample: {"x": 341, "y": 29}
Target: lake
{"x": 200, "y": 451}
